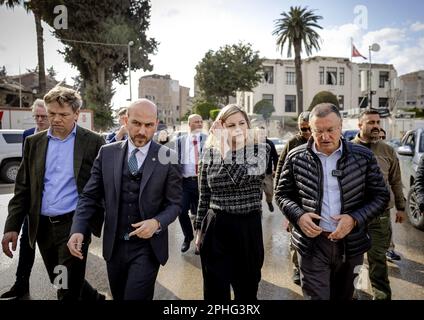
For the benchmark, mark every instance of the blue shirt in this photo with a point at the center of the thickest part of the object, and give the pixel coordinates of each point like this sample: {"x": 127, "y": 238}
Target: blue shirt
{"x": 60, "y": 193}
{"x": 331, "y": 201}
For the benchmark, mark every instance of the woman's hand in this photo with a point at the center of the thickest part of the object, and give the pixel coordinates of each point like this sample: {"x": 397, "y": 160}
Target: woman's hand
{"x": 221, "y": 135}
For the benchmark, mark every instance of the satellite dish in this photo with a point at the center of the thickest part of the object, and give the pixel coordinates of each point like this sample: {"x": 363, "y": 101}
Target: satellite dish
{"x": 375, "y": 47}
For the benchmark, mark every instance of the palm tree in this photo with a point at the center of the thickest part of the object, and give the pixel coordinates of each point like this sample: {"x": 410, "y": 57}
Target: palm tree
{"x": 296, "y": 28}
{"x": 32, "y": 5}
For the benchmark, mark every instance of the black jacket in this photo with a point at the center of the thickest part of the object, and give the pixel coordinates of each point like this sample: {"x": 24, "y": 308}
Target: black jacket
{"x": 363, "y": 191}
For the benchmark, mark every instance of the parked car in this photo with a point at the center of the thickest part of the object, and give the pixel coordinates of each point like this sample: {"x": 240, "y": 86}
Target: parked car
{"x": 409, "y": 152}
{"x": 10, "y": 154}
{"x": 350, "y": 134}
{"x": 279, "y": 144}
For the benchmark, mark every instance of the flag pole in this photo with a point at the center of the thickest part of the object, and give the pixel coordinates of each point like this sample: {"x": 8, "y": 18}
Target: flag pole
{"x": 351, "y": 73}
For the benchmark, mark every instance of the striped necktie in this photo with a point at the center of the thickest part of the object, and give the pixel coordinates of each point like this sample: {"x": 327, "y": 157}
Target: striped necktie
{"x": 132, "y": 162}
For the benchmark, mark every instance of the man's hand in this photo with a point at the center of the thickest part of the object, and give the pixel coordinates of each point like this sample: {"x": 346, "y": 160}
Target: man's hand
{"x": 145, "y": 229}
{"x": 345, "y": 224}
{"x": 197, "y": 240}
{"x": 9, "y": 237}
{"x": 75, "y": 244}
{"x": 400, "y": 216}
{"x": 309, "y": 228}
{"x": 123, "y": 131}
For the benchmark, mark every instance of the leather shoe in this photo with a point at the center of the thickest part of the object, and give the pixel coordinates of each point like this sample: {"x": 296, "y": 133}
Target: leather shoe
{"x": 270, "y": 207}
{"x": 392, "y": 256}
{"x": 16, "y": 292}
{"x": 185, "y": 246}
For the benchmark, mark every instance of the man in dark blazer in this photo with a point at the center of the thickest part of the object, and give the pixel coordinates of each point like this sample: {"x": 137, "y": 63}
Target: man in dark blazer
{"x": 141, "y": 189}
{"x": 189, "y": 149}
{"x": 55, "y": 168}
{"x": 20, "y": 288}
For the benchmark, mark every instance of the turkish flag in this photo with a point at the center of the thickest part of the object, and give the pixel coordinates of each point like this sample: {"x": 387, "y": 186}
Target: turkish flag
{"x": 356, "y": 53}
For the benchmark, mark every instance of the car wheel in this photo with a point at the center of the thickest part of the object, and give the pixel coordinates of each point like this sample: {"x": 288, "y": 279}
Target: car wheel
{"x": 415, "y": 216}
{"x": 9, "y": 171}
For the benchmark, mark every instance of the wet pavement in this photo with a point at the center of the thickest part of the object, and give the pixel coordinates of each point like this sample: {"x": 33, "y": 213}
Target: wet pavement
{"x": 181, "y": 278}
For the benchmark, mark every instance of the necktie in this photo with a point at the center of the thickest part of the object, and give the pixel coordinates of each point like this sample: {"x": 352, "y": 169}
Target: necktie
{"x": 132, "y": 162}
{"x": 196, "y": 155}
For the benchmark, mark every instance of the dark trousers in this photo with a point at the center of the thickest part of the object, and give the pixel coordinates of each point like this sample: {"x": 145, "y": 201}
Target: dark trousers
{"x": 379, "y": 230}
{"x": 132, "y": 270}
{"x": 324, "y": 274}
{"x": 64, "y": 270}
{"x": 190, "y": 201}
{"x": 26, "y": 258}
{"x": 232, "y": 255}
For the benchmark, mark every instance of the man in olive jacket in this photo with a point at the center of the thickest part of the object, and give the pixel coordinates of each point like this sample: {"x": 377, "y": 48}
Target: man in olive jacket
{"x": 330, "y": 190}
{"x": 380, "y": 227}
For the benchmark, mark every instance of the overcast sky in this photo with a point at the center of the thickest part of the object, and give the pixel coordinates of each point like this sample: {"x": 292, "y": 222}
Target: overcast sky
{"x": 187, "y": 29}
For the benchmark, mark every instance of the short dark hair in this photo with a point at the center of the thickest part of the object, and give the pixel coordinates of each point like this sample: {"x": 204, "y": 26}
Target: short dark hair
{"x": 382, "y": 130}
{"x": 367, "y": 112}
{"x": 304, "y": 116}
{"x": 324, "y": 109}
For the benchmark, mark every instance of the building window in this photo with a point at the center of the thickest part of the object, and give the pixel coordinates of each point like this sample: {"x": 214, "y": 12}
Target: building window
{"x": 269, "y": 74}
{"x": 290, "y": 104}
{"x": 342, "y": 76}
{"x": 384, "y": 76}
{"x": 341, "y": 102}
{"x": 290, "y": 76}
{"x": 268, "y": 97}
{"x": 321, "y": 75}
{"x": 332, "y": 76}
{"x": 363, "y": 102}
{"x": 383, "y": 102}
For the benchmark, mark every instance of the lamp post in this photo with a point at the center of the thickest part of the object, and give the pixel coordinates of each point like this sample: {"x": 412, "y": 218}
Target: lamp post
{"x": 374, "y": 47}
{"x": 130, "y": 44}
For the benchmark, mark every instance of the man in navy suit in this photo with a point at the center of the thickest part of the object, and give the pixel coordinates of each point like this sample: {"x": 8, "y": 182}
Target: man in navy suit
{"x": 189, "y": 148}
{"x": 26, "y": 253}
{"x": 142, "y": 196}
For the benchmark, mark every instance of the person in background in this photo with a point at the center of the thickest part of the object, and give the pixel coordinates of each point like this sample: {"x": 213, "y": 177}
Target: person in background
{"x": 380, "y": 229}
{"x": 163, "y": 137}
{"x": 27, "y": 254}
{"x": 391, "y": 254}
{"x": 189, "y": 149}
{"x": 419, "y": 185}
{"x": 300, "y": 138}
{"x": 268, "y": 184}
{"x": 121, "y": 133}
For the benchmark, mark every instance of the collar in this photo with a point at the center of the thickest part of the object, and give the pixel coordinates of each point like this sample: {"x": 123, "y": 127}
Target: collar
{"x": 73, "y": 132}
{"x": 144, "y": 149}
{"x": 339, "y": 149}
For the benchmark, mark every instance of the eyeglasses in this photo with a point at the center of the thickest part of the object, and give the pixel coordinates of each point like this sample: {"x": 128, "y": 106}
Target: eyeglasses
{"x": 39, "y": 116}
{"x": 305, "y": 129}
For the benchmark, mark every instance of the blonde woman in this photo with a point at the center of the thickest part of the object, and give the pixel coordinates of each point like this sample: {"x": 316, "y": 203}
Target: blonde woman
{"x": 228, "y": 222}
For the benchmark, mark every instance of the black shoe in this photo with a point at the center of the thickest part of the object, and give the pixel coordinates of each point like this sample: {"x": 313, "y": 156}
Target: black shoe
{"x": 15, "y": 293}
{"x": 270, "y": 207}
{"x": 296, "y": 277}
{"x": 197, "y": 252}
{"x": 392, "y": 256}
{"x": 185, "y": 246}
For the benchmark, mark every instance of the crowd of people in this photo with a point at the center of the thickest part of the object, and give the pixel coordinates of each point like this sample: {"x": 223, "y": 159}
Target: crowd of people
{"x": 336, "y": 195}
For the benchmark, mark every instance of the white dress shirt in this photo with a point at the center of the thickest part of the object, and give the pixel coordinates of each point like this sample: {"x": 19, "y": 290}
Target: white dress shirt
{"x": 141, "y": 155}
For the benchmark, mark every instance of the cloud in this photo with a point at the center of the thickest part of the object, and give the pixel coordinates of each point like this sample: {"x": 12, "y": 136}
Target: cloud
{"x": 171, "y": 13}
{"x": 417, "y": 26}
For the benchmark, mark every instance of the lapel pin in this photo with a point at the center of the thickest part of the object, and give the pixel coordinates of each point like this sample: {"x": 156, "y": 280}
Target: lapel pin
{"x": 153, "y": 159}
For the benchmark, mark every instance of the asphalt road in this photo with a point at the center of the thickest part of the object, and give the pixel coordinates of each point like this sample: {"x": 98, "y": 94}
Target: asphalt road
{"x": 181, "y": 278}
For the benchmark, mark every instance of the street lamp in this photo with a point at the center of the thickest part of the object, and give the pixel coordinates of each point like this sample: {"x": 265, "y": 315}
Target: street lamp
{"x": 374, "y": 47}
{"x": 130, "y": 44}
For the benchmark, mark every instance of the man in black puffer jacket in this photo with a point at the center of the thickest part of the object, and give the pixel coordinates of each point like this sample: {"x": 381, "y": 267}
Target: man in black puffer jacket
{"x": 329, "y": 190}
{"x": 419, "y": 185}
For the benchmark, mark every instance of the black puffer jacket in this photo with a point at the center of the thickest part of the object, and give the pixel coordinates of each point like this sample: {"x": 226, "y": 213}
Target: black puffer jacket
{"x": 363, "y": 191}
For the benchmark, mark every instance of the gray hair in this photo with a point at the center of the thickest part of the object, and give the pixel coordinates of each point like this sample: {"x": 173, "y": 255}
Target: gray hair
{"x": 324, "y": 109}
{"x": 38, "y": 103}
